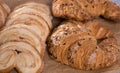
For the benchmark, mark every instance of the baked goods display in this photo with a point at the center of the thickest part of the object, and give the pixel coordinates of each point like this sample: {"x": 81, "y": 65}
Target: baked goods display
{"x": 4, "y": 11}
{"x": 85, "y": 10}
{"x": 83, "y": 46}
{"x": 82, "y": 41}
{"x": 22, "y": 41}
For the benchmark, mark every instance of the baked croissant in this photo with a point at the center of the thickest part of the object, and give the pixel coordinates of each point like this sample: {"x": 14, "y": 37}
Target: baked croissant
{"x": 85, "y": 10}
{"x": 22, "y": 41}
{"x": 72, "y": 43}
{"x": 4, "y": 11}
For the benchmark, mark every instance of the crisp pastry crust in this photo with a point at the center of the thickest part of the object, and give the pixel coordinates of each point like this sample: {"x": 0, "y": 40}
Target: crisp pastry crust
{"x": 22, "y": 41}
{"x": 85, "y": 10}
{"x": 74, "y": 43}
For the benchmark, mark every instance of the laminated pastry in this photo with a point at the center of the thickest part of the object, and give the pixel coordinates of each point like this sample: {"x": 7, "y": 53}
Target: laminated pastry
{"x": 22, "y": 41}
{"x": 4, "y": 11}
{"x": 20, "y": 55}
{"x": 85, "y": 10}
{"x": 33, "y": 16}
{"x": 74, "y": 44}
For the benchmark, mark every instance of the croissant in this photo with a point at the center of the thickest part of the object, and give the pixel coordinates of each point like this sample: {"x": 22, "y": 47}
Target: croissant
{"x": 22, "y": 41}
{"x": 4, "y": 11}
{"x": 85, "y": 10}
{"x": 73, "y": 43}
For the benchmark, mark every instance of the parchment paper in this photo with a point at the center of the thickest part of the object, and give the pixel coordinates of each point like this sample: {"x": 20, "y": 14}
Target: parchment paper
{"x": 51, "y": 66}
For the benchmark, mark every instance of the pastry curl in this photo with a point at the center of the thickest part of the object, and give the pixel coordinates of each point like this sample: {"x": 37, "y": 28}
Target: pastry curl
{"x": 20, "y": 55}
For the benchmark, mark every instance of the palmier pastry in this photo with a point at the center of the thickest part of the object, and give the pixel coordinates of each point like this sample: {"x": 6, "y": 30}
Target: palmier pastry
{"x": 22, "y": 41}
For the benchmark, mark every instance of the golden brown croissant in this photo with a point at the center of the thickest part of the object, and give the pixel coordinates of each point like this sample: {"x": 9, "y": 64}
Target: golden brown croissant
{"x": 85, "y": 10}
{"x": 4, "y": 11}
{"x": 74, "y": 44}
{"x": 23, "y": 38}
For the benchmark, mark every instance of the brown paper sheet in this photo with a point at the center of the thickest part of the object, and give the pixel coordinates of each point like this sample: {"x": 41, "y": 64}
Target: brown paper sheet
{"x": 51, "y": 66}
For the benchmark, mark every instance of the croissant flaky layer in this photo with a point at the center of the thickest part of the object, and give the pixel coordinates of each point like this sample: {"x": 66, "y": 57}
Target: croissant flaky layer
{"x": 22, "y": 41}
{"x": 74, "y": 43}
{"x": 99, "y": 29}
{"x": 4, "y": 11}
{"x": 85, "y": 10}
